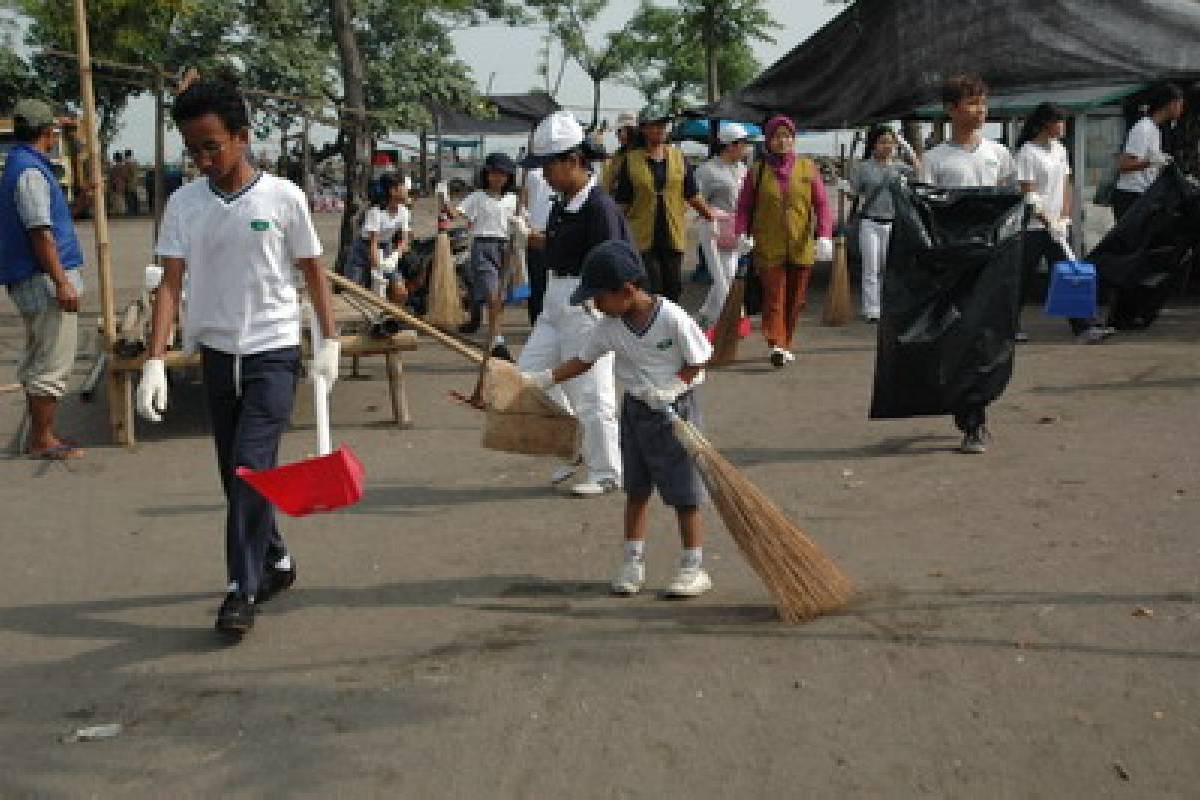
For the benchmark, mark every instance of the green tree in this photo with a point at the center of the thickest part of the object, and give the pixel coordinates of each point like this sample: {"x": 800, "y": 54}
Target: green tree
{"x": 719, "y": 26}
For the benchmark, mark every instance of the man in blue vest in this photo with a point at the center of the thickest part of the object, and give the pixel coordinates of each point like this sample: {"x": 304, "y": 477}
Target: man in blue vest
{"x": 40, "y": 258}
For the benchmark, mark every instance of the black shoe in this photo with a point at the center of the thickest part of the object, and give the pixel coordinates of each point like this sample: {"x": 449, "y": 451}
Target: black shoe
{"x": 469, "y": 328}
{"x": 778, "y": 359}
{"x": 274, "y": 581}
{"x": 975, "y": 441}
{"x": 501, "y": 351}
{"x": 236, "y": 614}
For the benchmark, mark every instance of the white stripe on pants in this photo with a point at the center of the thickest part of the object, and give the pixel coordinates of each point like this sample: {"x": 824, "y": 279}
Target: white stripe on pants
{"x": 722, "y": 264}
{"x": 873, "y": 244}
{"x": 558, "y": 336}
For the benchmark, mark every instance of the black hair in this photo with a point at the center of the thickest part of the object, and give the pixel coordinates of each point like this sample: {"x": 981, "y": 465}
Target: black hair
{"x": 386, "y": 182}
{"x": 1162, "y": 95}
{"x": 25, "y": 133}
{"x": 481, "y": 181}
{"x": 959, "y": 87}
{"x": 221, "y": 98}
{"x": 1043, "y": 115}
{"x": 873, "y": 136}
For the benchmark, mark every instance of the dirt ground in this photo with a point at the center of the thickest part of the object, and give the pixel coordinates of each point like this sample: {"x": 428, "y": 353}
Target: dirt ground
{"x": 1028, "y": 626}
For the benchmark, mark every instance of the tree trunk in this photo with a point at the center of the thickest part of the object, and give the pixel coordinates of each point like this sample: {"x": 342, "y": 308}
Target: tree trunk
{"x": 356, "y": 148}
{"x": 710, "y": 54}
{"x": 595, "y": 104}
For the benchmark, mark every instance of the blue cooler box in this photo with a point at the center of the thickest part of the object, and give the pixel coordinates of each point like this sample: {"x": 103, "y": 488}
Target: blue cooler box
{"x": 1072, "y": 290}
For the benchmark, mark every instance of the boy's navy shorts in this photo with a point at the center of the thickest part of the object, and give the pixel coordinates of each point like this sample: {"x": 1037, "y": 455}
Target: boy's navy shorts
{"x": 652, "y": 457}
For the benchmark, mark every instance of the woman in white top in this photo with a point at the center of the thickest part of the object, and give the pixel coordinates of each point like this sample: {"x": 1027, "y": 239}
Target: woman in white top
{"x": 719, "y": 180}
{"x": 385, "y": 230}
{"x": 1143, "y": 158}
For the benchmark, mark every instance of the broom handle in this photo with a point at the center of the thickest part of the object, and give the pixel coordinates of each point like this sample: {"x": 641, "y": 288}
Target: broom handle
{"x": 354, "y": 289}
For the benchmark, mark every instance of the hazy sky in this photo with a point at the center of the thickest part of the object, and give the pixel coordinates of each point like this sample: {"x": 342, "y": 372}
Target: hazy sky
{"x": 511, "y": 54}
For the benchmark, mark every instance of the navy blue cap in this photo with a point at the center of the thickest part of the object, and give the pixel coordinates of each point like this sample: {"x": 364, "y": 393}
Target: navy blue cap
{"x": 608, "y": 266}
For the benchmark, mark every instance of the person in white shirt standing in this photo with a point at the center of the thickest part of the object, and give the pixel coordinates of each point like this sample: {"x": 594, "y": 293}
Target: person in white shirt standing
{"x": 238, "y": 234}
{"x": 719, "y": 180}
{"x": 1142, "y": 157}
{"x": 968, "y": 160}
{"x": 1044, "y": 174}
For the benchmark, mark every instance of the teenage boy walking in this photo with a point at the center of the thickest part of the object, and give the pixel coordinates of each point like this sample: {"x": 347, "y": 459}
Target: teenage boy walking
{"x": 968, "y": 160}
{"x": 237, "y": 234}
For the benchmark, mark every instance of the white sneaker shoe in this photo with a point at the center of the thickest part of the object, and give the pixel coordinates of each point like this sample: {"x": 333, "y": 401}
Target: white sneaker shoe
{"x": 689, "y": 582}
{"x": 789, "y": 356}
{"x": 630, "y": 578}
{"x": 595, "y": 488}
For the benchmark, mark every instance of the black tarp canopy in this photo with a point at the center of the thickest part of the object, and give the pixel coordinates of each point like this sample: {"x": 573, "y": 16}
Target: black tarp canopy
{"x": 515, "y": 113}
{"x": 881, "y": 59}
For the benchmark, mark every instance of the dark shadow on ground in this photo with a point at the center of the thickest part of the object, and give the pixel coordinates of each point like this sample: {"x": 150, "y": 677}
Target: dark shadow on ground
{"x": 894, "y": 446}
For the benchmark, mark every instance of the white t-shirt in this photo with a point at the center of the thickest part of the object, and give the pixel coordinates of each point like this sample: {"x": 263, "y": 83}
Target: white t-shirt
{"x": 653, "y": 357}
{"x": 1047, "y": 169}
{"x": 239, "y": 252}
{"x": 487, "y": 215}
{"x": 953, "y": 166}
{"x": 384, "y": 224}
{"x": 540, "y": 198}
{"x": 1144, "y": 141}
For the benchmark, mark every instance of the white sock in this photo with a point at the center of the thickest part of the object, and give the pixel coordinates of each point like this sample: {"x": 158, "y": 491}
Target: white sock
{"x": 635, "y": 550}
{"x": 284, "y": 563}
{"x": 497, "y": 340}
{"x": 691, "y": 557}
{"x": 232, "y": 588}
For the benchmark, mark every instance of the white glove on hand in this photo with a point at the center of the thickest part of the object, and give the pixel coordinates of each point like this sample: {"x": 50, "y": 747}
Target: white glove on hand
{"x": 519, "y": 224}
{"x": 824, "y": 249}
{"x": 151, "y": 398}
{"x": 659, "y": 399}
{"x": 540, "y": 380}
{"x": 1059, "y": 227}
{"x": 1159, "y": 159}
{"x": 745, "y": 245}
{"x": 325, "y": 362}
{"x": 1034, "y": 201}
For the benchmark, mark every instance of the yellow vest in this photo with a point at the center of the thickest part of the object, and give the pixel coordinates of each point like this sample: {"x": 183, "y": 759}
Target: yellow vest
{"x": 642, "y": 210}
{"x": 783, "y": 226}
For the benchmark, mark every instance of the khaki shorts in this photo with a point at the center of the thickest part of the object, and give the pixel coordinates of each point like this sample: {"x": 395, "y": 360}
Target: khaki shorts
{"x": 51, "y": 337}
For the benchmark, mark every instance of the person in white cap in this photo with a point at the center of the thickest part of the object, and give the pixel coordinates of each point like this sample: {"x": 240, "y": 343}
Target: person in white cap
{"x": 719, "y": 180}
{"x": 582, "y": 217}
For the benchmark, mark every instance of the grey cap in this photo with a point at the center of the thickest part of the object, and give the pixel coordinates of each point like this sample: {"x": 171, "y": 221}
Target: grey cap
{"x": 34, "y": 113}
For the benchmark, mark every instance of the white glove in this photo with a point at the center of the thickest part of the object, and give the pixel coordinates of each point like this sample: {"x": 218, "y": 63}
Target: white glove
{"x": 519, "y": 225}
{"x": 659, "y": 399}
{"x": 824, "y": 249}
{"x": 1034, "y": 201}
{"x": 1058, "y": 227}
{"x": 325, "y": 362}
{"x": 543, "y": 379}
{"x": 151, "y": 398}
{"x": 1158, "y": 159}
{"x": 745, "y": 245}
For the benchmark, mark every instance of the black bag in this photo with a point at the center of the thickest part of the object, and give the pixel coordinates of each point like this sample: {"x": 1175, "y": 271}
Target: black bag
{"x": 949, "y": 300}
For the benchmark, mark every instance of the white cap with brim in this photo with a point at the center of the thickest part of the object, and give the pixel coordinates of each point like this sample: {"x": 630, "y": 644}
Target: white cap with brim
{"x": 731, "y": 132}
{"x": 556, "y": 134}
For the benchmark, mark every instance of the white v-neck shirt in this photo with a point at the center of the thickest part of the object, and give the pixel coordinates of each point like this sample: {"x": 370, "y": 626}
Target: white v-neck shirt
{"x": 240, "y": 252}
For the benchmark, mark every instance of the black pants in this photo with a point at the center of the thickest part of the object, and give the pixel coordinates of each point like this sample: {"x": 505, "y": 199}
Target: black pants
{"x": 969, "y": 417}
{"x": 535, "y": 265}
{"x": 247, "y": 426}
{"x": 1121, "y": 202}
{"x": 1039, "y": 245}
{"x": 665, "y": 268}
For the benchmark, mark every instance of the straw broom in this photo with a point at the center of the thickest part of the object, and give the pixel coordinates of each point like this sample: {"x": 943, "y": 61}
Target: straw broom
{"x": 837, "y": 309}
{"x": 803, "y": 580}
{"x": 725, "y": 333}
{"x": 445, "y": 304}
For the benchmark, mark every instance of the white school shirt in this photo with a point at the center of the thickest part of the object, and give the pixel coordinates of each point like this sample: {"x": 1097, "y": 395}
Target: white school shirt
{"x": 540, "y": 197}
{"x": 954, "y": 166}
{"x": 239, "y": 252}
{"x": 384, "y": 224}
{"x": 652, "y": 357}
{"x": 1047, "y": 169}
{"x": 1144, "y": 141}
{"x": 488, "y": 216}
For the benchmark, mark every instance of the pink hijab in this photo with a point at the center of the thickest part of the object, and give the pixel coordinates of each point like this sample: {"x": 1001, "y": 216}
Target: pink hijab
{"x": 781, "y": 164}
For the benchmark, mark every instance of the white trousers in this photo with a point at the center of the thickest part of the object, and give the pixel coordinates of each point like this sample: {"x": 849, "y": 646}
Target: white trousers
{"x": 722, "y": 264}
{"x": 873, "y": 244}
{"x": 557, "y": 337}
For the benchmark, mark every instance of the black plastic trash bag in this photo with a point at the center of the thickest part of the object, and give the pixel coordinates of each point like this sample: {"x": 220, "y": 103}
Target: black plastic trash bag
{"x": 1142, "y": 258}
{"x": 949, "y": 300}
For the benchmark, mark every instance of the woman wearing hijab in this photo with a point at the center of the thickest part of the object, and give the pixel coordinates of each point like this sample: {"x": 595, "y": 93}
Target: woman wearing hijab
{"x": 784, "y": 208}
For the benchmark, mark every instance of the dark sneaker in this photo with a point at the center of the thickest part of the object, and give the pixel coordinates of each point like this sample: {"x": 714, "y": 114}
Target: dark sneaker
{"x": 778, "y": 357}
{"x": 975, "y": 441}
{"x": 1021, "y": 337}
{"x": 501, "y": 351}
{"x": 236, "y": 615}
{"x": 275, "y": 580}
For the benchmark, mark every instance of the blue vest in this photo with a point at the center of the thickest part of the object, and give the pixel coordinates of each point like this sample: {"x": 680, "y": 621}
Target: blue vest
{"x": 17, "y": 261}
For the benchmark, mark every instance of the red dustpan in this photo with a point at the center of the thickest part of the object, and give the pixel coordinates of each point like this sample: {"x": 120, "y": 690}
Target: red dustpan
{"x": 326, "y": 482}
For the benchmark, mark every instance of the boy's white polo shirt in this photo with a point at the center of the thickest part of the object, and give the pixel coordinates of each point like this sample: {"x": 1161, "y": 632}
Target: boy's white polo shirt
{"x": 951, "y": 165}
{"x": 239, "y": 252}
{"x": 653, "y": 357}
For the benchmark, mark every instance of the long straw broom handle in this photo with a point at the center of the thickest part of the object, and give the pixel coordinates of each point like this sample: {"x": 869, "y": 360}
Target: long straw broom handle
{"x": 346, "y": 285}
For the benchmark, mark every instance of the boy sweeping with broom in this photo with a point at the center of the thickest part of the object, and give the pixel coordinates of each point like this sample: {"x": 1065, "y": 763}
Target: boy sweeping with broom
{"x": 660, "y": 353}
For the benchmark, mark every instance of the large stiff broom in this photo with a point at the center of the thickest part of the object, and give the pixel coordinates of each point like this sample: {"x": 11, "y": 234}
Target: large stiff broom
{"x": 445, "y": 308}
{"x": 727, "y": 331}
{"x": 803, "y": 580}
{"x": 837, "y": 309}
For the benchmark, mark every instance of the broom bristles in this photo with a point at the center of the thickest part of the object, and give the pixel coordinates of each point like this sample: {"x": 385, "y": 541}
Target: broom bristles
{"x": 445, "y": 304}
{"x": 837, "y": 302}
{"x": 725, "y": 333}
{"x": 803, "y": 580}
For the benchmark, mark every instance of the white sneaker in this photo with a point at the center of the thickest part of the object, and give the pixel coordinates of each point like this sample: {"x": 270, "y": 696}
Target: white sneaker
{"x": 565, "y": 472}
{"x": 595, "y": 488}
{"x": 789, "y": 356}
{"x": 689, "y": 582}
{"x": 630, "y": 578}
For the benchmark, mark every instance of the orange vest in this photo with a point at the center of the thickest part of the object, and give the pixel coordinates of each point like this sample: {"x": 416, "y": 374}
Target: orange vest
{"x": 783, "y": 225}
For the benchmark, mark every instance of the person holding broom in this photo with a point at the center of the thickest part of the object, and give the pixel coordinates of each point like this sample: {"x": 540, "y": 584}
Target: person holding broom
{"x": 238, "y": 235}
{"x": 582, "y": 217}
{"x": 660, "y": 356}
{"x": 719, "y": 180}
{"x": 782, "y": 204}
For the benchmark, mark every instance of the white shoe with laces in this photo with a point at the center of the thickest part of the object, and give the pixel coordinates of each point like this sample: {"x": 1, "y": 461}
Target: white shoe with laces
{"x": 630, "y": 578}
{"x": 689, "y": 582}
{"x": 596, "y": 488}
